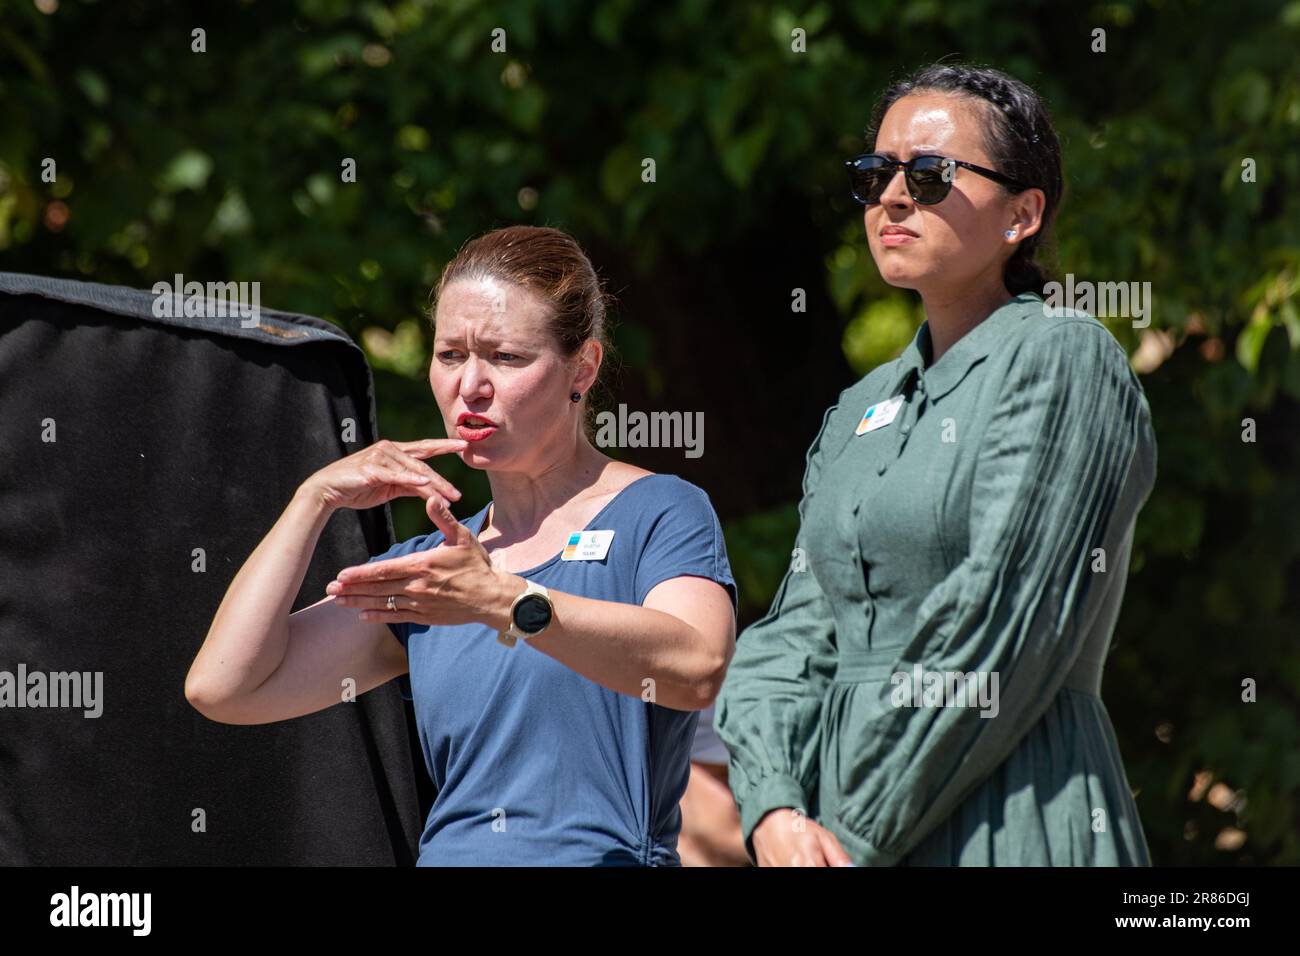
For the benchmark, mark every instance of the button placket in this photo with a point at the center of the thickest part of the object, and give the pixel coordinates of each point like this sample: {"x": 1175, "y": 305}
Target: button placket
{"x": 908, "y": 416}
{"x": 917, "y": 406}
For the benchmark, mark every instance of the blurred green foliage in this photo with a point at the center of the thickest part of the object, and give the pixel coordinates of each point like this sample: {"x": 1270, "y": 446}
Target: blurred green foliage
{"x": 226, "y": 165}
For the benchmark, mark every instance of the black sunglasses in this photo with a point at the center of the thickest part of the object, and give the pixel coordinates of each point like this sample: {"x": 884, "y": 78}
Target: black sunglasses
{"x": 929, "y": 178}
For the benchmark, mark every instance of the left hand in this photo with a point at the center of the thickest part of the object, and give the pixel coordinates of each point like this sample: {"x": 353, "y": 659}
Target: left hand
{"x": 454, "y": 583}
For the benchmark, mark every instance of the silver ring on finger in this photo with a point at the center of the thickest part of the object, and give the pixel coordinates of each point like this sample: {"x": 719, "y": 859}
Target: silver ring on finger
{"x": 392, "y": 602}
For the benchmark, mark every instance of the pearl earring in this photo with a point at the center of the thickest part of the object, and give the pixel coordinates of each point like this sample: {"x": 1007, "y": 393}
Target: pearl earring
{"x": 1010, "y": 234}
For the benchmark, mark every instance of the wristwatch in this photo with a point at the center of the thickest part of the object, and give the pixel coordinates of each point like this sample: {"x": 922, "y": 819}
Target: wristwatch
{"x": 530, "y": 613}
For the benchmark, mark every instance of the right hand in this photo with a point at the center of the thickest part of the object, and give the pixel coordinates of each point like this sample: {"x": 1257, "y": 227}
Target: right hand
{"x": 384, "y": 471}
{"x": 785, "y": 837}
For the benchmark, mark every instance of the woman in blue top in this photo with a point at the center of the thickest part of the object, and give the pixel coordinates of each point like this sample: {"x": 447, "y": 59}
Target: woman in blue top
{"x": 559, "y": 643}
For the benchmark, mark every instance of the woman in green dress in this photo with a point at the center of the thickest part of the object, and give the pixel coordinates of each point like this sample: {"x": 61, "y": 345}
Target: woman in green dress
{"x": 925, "y": 687}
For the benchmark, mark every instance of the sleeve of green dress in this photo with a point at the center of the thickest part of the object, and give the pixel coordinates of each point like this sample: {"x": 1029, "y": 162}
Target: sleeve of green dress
{"x": 768, "y": 712}
{"x": 1048, "y": 476}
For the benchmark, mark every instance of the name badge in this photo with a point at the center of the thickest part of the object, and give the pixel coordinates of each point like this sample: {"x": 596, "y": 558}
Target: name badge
{"x": 879, "y": 415}
{"x": 587, "y": 546}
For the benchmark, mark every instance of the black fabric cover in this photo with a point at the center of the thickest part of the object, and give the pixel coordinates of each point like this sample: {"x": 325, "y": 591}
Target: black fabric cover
{"x": 176, "y": 434}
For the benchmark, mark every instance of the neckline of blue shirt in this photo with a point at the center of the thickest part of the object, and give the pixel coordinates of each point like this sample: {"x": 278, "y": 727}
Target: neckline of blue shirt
{"x": 479, "y": 518}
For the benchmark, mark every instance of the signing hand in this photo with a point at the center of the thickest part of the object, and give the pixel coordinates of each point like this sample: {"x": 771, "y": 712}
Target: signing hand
{"x": 454, "y": 583}
{"x": 384, "y": 471}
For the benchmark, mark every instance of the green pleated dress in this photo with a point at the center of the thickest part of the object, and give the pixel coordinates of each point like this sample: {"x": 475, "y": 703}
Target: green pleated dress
{"x": 926, "y": 684}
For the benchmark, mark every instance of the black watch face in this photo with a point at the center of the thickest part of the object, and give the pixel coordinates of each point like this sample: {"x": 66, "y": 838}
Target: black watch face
{"x": 532, "y": 613}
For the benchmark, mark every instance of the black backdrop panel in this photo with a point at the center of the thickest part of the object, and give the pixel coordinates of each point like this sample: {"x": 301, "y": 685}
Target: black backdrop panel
{"x": 173, "y": 435}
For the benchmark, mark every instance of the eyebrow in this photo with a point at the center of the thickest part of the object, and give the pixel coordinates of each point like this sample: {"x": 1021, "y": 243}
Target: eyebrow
{"x": 916, "y": 151}
{"x": 483, "y": 341}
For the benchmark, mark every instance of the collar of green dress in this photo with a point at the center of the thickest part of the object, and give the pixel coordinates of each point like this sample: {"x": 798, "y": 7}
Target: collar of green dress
{"x": 964, "y": 354}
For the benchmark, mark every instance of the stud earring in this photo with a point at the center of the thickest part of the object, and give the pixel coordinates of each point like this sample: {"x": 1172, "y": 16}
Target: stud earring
{"x": 1010, "y": 234}
{"x": 575, "y": 397}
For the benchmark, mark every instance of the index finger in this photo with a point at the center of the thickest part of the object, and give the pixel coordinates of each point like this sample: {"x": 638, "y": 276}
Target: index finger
{"x": 390, "y": 569}
{"x": 417, "y": 466}
{"x": 429, "y": 447}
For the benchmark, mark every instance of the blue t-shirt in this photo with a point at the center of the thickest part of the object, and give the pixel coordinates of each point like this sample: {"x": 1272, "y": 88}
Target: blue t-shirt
{"x": 534, "y": 764}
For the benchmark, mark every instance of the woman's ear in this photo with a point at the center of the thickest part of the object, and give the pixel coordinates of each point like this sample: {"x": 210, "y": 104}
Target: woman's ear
{"x": 587, "y": 365}
{"x": 1027, "y": 209}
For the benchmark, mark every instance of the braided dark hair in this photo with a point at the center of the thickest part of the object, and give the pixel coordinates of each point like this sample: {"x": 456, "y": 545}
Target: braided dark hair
{"x": 1019, "y": 139}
